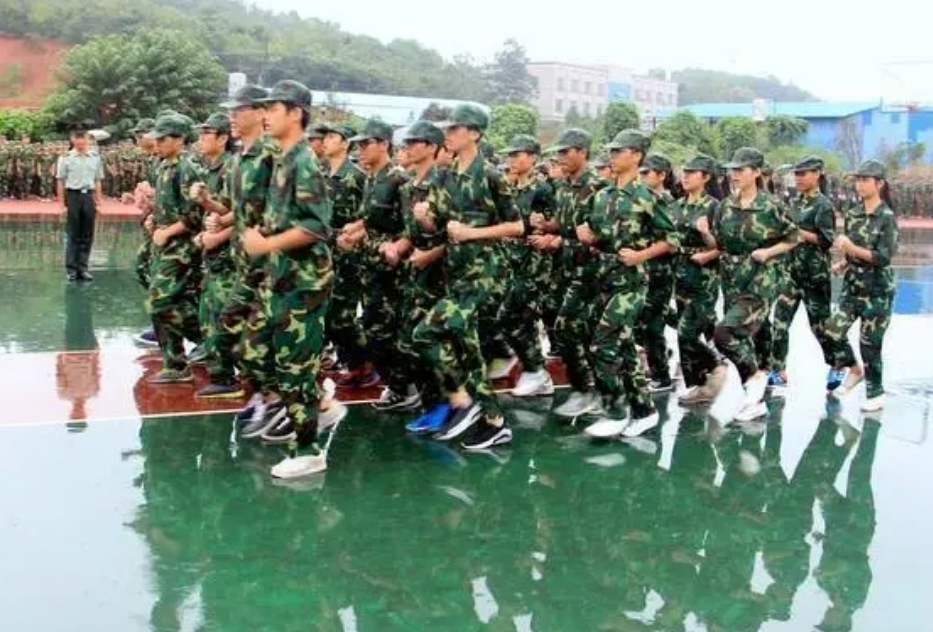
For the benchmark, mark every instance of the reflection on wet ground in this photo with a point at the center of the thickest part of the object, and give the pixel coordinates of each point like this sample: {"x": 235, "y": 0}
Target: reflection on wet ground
{"x": 815, "y": 519}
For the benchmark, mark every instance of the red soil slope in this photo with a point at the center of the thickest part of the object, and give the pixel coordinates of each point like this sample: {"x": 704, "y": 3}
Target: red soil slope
{"x": 39, "y": 60}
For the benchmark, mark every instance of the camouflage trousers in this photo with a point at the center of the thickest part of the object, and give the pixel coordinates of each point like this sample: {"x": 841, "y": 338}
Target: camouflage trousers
{"x": 521, "y": 310}
{"x": 492, "y": 338}
{"x": 175, "y": 279}
{"x": 288, "y": 329}
{"x": 218, "y": 286}
{"x": 873, "y": 309}
{"x": 554, "y": 290}
{"x": 143, "y": 264}
{"x": 382, "y": 299}
{"x": 816, "y": 296}
{"x": 231, "y": 344}
{"x": 410, "y": 366}
{"x": 616, "y": 366}
{"x": 696, "y": 290}
{"x": 649, "y": 331}
{"x": 447, "y": 337}
{"x": 735, "y": 335}
{"x": 344, "y": 328}
{"x": 573, "y": 332}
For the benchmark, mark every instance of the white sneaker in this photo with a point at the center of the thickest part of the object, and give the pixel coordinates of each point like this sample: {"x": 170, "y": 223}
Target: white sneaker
{"x": 642, "y": 425}
{"x": 755, "y": 388}
{"x": 330, "y": 417}
{"x": 501, "y": 368}
{"x": 578, "y": 404}
{"x": 751, "y": 412}
{"x": 533, "y": 384}
{"x": 853, "y": 379}
{"x": 607, "y": 428}
{"x": 300, "y": 466}
{"x": 874, "y": 404}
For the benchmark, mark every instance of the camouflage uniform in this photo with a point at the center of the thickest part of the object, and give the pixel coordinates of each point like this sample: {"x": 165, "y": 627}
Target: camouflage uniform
{"x": 808, "y": 266}
{"x": 296, "y": 285}
{"x": 867, "y": 288}
{"x": 381, "y": 206}
{"x": 749, "y": 287}
{"x": 696, "y": 287}
{"x": 175, "y": 275}
{"x": 344, "y": 329}
{"x": 628, "y": 217}
{"x": 522, "y": 308}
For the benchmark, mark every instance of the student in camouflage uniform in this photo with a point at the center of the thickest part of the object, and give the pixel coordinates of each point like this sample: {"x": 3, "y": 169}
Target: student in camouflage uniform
{"x": 522, "y": 308}
{"x": 628, "y": 227}
{"x": 175, "y": 272}
{"x": 382, "y": 224}
{"x": 474, "y": 205}
{"x": 298, "y": 276}
{"x": 219, "y": 266}
{"x": 657, "y": 173}
{"x": 808, "y": 265}
{"x": 603, "y": 168}
{"x": 696, "y": 280}
{"x": 869, "y": 243}
{"x": 345, "y": 183}
{"x": 752, "y": 231}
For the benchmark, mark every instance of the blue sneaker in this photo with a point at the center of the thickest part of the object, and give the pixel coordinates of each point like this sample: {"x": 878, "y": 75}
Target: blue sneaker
{"x": 431, "y": 421}
{"x": 835, "y": 378}
{"x": 777, "y": 379}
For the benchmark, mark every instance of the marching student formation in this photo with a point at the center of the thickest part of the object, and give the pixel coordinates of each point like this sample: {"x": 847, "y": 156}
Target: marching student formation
{"x": 427, "y": 269}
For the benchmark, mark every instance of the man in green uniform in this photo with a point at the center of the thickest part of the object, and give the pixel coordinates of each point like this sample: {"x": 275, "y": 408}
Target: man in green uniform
{"x": 174, "y": 280}
{"x": 79, "y": 176}
{"x": 298, "y": 275}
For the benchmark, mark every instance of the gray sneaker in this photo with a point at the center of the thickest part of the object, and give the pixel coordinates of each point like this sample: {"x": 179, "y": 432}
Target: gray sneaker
{"x": 579, "y": 404}
{"x": 172, "y": 376}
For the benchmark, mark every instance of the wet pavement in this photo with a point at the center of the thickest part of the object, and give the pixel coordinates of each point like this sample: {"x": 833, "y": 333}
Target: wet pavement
{"x": 128, "y": 508}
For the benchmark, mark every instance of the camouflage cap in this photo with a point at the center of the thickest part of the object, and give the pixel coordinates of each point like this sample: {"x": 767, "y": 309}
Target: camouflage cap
{"x": 702, "y": 163}
{"x": 144, "y": 126}
{"x": 572, "y": 139}
{"x": 218, "y": 121}
{"x": 746, "y": 157}
{"x": 630, "y": 139}
{"x": 249, "y": 96}
{"x": 289, "y": 92}
{"x": 374, "y": 129}
{"x": 171, "y": 125}
{"x": 487, "y": 150}
{"x": 767, "y": 169}
{"x": 601, "y": 161}
{"x": 523, "y": 143}
{"x": 313, "y": 132}
{"x": 871, "y": 169}
{"x": 425, "y": 131}
{"x": 809, "y": 163}
{"x": 344, "y": 130}
{"x": 657, "y": 162}
{"x": 165, "y": 113}
{"x": 467, "y": 115}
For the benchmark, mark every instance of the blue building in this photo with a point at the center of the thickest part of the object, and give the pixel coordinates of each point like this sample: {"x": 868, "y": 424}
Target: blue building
{"x": 856, "y": 130}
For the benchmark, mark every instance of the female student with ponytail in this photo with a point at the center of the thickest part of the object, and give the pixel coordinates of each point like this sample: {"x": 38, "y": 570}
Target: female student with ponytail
{"x": 869, "y": 243}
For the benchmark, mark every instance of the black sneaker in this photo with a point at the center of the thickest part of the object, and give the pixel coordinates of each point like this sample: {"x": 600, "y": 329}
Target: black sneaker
{"x": 259, "y": 425}
{"x": 461, "y": 420}
{"x": 282, "y": 432}
{"x": 390, "y": 400}
{"x": 85, "y": 276}
{"x": 485, "y": 436}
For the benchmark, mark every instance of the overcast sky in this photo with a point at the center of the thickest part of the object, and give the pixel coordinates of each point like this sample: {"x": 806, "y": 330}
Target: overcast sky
{"x": 825, "y": 46}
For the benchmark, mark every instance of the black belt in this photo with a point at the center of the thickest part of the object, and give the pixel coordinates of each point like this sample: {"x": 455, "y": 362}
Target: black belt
{"x": 82, "y": 191}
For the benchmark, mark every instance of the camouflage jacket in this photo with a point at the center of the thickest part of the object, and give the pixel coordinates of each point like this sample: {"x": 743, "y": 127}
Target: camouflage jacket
{"x": 574, "y": 203}
{"x": 345, "y": 188}
{"x": 298, "y": 199}
{"x": 813, "y": 213}
{"x": 879, "y": 233}
{"x": 533, "y": 196}
{"x": 172, "y": 200}
{"x": 739, "y": 232}
{"x": 630, "y": 217}
{"x": 413, "y": 192}
{"x": 220, "y": 258}
{"x": 246, "y": 189}
{"x": 381, "y": 204}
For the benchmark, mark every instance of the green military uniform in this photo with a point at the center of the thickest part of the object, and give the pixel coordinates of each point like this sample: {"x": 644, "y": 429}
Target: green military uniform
{"x": 867, "y": 287}
{"x": 649, "y": 332}
{"x": 629, "y": 217}
{"x": 246, "y": 189}
{"x": 808, "y": 266}
{"x": 381, "y": 206}
{"x": 220, "y": 270}
{"x": 345, "y": 189}
{"x": 749, "y": 287}
{"x": 696, "y": 287}
{"x": 296, "y": 284}
{"x": 523, "y": 306}
{"x": 175, "y": 275}
{"x": 150, "y": 176}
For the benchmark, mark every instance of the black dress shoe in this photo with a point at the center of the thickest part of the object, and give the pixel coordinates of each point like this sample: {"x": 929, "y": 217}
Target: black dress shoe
{"x": 85, "y": 276}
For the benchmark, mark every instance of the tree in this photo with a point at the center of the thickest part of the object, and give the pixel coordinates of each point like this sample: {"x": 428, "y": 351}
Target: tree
{"x": 849, "y": 141}
{"x": 735, "y": 132}
{"x": 787, "y": 155}
{"x": 116, "y": 80}
{"x": 618, "y": 116}
{"x": 509, "y": 120}
{"x": 784, "y": 130}
{"x": 678, "y": 154}
{"x": 901, "y": 156}
{"x": 698, "y": 85}
{"x": 508, "y": 79}
{"x": 685, "y": 129}
{"x": 435, "y": 112}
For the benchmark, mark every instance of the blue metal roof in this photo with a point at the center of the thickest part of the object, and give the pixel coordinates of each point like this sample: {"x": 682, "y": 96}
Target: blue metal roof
{"x": 801, "y": 109}
{"x": 393, "y": 109}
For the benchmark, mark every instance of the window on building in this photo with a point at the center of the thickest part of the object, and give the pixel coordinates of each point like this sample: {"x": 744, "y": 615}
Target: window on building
{"x": 560, "y": 84}
{"x": 559, "y": 105}
{"x": 575, "y": 86}
{"x": 587, "y": 87}
{"x": 586, "y": 109}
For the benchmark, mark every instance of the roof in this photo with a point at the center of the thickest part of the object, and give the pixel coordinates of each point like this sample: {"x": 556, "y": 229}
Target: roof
{"x": 393, "y": 109}
{"x": 800, "y": 109}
